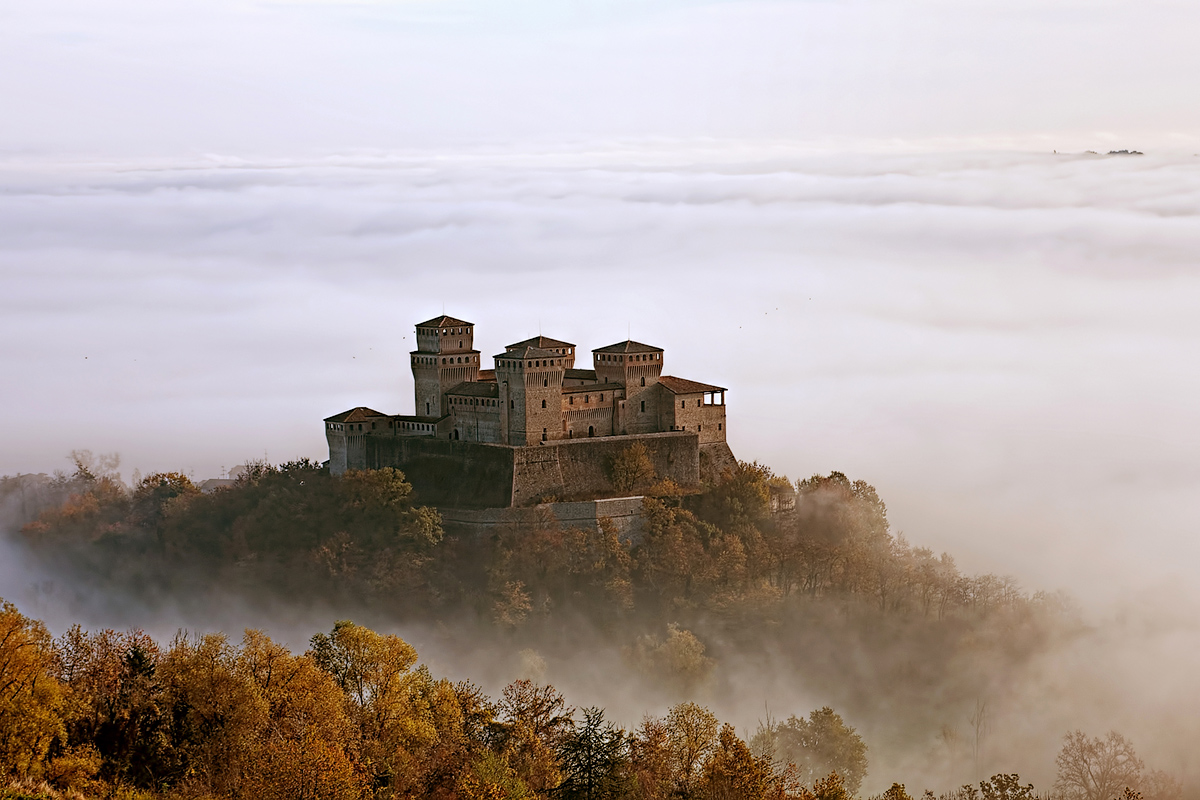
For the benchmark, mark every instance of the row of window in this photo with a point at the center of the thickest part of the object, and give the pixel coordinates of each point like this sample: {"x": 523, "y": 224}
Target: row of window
{"x": 461, "y": 360}
{"x": 621, "y": 359}
{"x": 552, "y": 362}
{"x": 587, "y": 398}
{"x": 473, "y": 401}
{"x": 416, "y": 426}
{"x": 442, "y": 331}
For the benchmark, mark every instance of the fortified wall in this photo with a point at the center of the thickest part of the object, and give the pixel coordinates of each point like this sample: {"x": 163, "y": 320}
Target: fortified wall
{"x": 476, "y": 475}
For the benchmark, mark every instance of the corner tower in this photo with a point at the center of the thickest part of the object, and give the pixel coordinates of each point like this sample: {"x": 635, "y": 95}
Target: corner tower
{"x": 632, "y": 364}
{"x": 445, "y": 357}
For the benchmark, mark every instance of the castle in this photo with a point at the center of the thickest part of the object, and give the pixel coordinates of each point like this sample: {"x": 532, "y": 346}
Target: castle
{"x": 532, "y": 403}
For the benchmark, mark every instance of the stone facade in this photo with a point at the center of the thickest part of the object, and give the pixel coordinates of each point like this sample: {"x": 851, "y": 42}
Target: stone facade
{"x": 534, "y": 398}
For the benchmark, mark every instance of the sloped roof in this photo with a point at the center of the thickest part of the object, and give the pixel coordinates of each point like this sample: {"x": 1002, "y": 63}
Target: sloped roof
{"x": 412, "y": 418}
{"x": 443, "y": 322}
{"x": 628, "y": 346}
{"x": 682, "y": 386}
{"x": 544, "y": 342}
{"x": 359, "y": 414}
{"x": 487, "y": 375}
{"x": 475, "y": 389}
{"x": 580, "y": 374}
{"x": 528, "y": 352}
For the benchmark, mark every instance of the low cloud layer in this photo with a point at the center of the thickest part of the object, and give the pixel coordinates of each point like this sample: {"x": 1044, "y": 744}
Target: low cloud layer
{"x": 1000, "y": 342}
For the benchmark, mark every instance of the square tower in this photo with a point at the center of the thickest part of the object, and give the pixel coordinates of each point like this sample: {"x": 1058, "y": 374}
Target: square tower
{"x": 445, "y": 357}
{"x": 530, "y": 380}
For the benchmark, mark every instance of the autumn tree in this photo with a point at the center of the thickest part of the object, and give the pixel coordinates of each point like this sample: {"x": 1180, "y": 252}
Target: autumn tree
{"x": 534, "y": 725}
{"x": 631, "y": 469}
{"x": 731, "y": 771}
{"x": 218, "y": 713}
{"x": 691, "y": 737}
{"x": 1095, "y": 768}
{"x": 823, "y": 744}
{"x": 31, "y": 699}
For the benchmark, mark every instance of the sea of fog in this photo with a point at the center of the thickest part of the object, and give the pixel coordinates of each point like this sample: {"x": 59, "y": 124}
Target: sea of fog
{"x": 1003, "y": 343}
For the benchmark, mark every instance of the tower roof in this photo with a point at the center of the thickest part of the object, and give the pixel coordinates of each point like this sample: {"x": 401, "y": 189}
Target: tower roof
{"x": 355, "y": 415}
{"x": 544, "y": 342}
{"x": 628, "y": 346}
{"x": 528, "y": 351}
{"x": 682, "y": 386}
{"x": 444, "y": 322}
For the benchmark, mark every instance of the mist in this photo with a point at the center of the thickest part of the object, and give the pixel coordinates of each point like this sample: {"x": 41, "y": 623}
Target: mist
{"x": 878, "y": 223}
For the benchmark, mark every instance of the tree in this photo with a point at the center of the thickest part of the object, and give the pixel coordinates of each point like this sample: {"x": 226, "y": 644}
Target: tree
{"x": 732, "y": 772}
{"x": 1006, "y": 787}
{"x": 535, "y": 723}
{"x": 678, "y": 661}
{"x": 631, "y": 469}
{"x": 823, "y": 744}
{"x": 31, "y": 700}
{"x": 1096, "y": 769}
{"x": 691, "y": 737}
{"x": 594, "y": 759}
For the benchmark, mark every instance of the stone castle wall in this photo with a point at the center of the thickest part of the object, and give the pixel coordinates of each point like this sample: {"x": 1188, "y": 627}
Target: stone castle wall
{"x": 472, "y": 475}
{"x": 573, "y": 468}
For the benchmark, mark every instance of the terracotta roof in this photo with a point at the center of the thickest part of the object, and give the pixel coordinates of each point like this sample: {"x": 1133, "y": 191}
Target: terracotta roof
{"x": 628, "y": 346}
{"x": 487, "y": 375}
{"x": 443, "y": 322}
{"x": 475, "y": 389}
{"x": 544, "y": 342}
{"x": 580, "y": 374}
{"x": 355, "y": 415}
{"x": 528, "y": 352}
{"x": 681, "y": 386}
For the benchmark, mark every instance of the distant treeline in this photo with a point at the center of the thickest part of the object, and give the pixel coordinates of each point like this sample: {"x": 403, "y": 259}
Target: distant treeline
{"x": 721, "y": 554}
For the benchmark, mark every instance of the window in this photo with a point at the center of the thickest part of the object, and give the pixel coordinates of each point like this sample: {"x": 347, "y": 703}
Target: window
{"x": 460, "y": 342}
{"x": 683, "y": 403}
{"x": 543, "y": 434}
{"x": 643, "y": 406}
{"x": 643, "y": 380}
{"x": 591, "y": 430}
{"x": 699, "y": 428}
{"x": 427, "y": 409}
{"x": 587, "y": 399}
{"x": 545, "y": 381}
{"x": 512, "y": 404}
{"x": 718, "y": 426}
{"x": 571, "y": 400}
{"x": 543, "y": 404}
{"x": 601, "y": 398}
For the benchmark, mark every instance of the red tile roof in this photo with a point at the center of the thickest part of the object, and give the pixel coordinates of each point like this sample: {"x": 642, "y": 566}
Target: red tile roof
{"x": 359, "y": 414}
{"x": 628, "y": 346}
{"x": 544, "y": 342}
{"x": 444, "y": 322}
{"x": 681, "y": 386}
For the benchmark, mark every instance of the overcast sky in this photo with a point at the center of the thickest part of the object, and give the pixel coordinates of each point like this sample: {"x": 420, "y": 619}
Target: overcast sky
{"x": 220, "y": 220}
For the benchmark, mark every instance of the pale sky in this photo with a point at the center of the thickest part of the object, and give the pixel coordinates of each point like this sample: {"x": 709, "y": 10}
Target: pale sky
{"x": 220, "y": 220}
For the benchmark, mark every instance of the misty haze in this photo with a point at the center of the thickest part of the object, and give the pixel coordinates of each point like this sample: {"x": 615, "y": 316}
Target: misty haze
{"x": 934, "y": 264}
